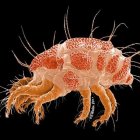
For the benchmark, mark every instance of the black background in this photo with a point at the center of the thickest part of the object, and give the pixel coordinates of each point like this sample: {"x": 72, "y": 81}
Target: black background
{"x": 40, "y": 20}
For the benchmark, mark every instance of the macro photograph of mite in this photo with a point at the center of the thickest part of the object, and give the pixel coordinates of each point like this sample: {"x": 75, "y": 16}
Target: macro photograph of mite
{"x": 70, "y": 69}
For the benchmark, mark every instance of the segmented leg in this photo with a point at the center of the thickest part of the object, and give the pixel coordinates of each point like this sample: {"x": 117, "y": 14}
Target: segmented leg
{"x": 20, "y": 82}
{"x": 86, "y": 94}
{"x": 19, "y": 103}
{"x": 100, "y": 91}
{"x": 55, "y": 93}
{"x": 112, "y": 99}
{"x": 20, "y": 100}
{"x": 29, "y": 101}
{"x": 38, "y": 90}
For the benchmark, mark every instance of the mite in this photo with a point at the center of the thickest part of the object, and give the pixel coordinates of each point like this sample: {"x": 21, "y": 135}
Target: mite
{"x": 87, "y": 65}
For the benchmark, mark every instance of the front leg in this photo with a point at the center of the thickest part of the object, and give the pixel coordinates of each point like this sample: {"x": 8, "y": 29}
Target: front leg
{"x": 20, "y": 101}
{"x": 53, "y": 94}
{"x": 100, "y": 91}
{"x": 28, "y": 90}
{"x": 86, "y": 94}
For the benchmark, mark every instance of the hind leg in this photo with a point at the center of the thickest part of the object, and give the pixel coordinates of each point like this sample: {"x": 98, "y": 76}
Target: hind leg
{"x": 33, "y": 90}
{"x": 86, "y": 94}
{"x": 55, "y": 93}
{"x": 112, "y": 99}
{"x": 100, "y": 91}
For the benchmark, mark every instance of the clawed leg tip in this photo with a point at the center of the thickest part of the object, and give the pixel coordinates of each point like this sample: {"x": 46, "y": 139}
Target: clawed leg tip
{"x": 77, "y": 121}
{"x": 37, "y": 122}
{"x": 97, "y": 123}
{"x": 94, "y": 125}
{"x": 7, "y": 115}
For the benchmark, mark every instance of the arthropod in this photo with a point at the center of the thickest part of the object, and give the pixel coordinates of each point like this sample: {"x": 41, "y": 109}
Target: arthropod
{"x": 87, "y": 65}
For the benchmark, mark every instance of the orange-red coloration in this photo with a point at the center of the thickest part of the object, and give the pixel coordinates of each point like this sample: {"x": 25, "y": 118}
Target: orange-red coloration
{"x": 81, "y": 60}
{"x": 112, "y": 100}
{"x": 100, "y": 91}
{"x": 87, "y": 43}
{"x": 71, "y": 80}
{"x": 77, "y": 64}
{"x": 101, "y": 62}
{"x": 87, "y": 65}
{"x": 29, "y": 88}
{"x": 106, "y": 45}
{"x": 129, "y": 78}
{"x": 86, "y": 95}
{"x": 75, "y": 43}
{"x": 47, "y": 59}
{"x": 50, "y": 96}
{"x": 112, "y": 64}
{"x": 123, "y": 71}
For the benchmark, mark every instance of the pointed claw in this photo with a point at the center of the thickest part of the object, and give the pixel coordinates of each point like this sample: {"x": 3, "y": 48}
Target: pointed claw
{"x": 7, "y": 114}
{"x": 39, "y": 112}
{"x": 101, "y": 120}
{"x": 77, "y": 121}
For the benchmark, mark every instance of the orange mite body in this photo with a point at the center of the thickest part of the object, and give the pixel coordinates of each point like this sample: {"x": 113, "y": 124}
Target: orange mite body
{"x": 85, "y": 56}
{"x": 83, "y": 64}
{"x": 87, "y": 65}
